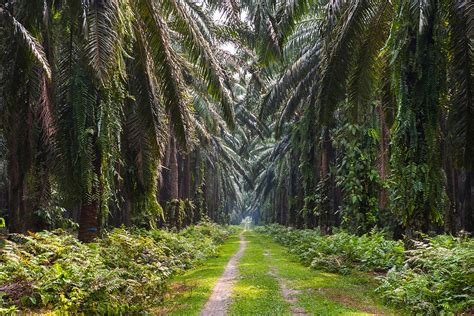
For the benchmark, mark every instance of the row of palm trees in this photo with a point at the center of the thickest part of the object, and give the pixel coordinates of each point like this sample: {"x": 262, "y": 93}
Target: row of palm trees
{"x": 372, "y": 104}
{"x": 329, "y": 113}
{"x": 116, "y": 107}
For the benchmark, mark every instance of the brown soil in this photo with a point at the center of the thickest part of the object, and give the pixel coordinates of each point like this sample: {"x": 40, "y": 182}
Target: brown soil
{"x": 288, "y": 293}
{"x": 219, "y": 301}
{"x": 17, "y": 289}
{"x": 177, "y": 288}
{"x": 350, "y": 301}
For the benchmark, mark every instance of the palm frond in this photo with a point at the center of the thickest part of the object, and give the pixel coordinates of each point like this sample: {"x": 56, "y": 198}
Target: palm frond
{"x": 462, "y": 116}
{"x": 292, "y": 76}
{"x": 290, "y": 14}
{"x": 157, "y": 34}
{"x": 350, "y": 26}
{"x": 366, "y": 64}
{"x": 103, "y": 40}
{"x": 200, "y": 52}
{"x": 27, "y": 40}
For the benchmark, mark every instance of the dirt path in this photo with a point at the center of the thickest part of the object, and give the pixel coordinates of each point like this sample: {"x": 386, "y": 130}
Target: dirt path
{"x": 290, "y": 296}
{"x": 288, "y": 293}
{"x": 220, "y": 298}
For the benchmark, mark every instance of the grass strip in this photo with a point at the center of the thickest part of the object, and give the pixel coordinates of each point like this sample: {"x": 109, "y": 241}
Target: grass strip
{"x": 256, "y": 292}
{"x": 323, "y": 293}
{"x": 191, "y": 290}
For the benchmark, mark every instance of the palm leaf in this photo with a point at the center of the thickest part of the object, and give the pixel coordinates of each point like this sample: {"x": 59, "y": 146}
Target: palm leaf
{"x": 157, "y": 34}
{"x": 340, "y": 41}
{"x": 104, "y": 38}
{"x": 200, "y": 52}
{"x": 462, "y": 116}
{"x": 27, "y": 40}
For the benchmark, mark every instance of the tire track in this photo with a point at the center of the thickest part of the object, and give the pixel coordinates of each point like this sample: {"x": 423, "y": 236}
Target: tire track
{"x": 289, "y": 294}
{"x": 219, "y": 300}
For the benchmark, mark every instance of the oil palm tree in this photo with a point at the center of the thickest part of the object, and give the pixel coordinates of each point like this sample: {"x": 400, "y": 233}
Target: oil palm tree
{"x": 116, "y": 74}
{"x": 25, "y": 100}
{"x": 164, "y": 37}
{"x": 391, "y": 53}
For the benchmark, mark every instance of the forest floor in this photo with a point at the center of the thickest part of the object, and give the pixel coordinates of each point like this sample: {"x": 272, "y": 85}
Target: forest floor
{"x": 255, "y": 276}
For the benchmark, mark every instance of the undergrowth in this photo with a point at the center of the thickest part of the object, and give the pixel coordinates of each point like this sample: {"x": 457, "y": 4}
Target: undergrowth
{"x": 437, "y": 277}
{"x": 341, "y": 252}
{"x": 125, "y": 271}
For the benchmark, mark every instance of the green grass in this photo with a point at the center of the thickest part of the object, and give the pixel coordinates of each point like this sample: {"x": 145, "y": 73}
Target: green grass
{"x": 190, "y": 291}
{"x": 324, "y": 293}
{"x": 256, "y": 292}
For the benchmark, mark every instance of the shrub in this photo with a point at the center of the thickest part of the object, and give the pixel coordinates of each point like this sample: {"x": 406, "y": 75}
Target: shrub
{"x": 125, "y": 271}
{"x": 438, "y": 275}
{"x": 341, "y": 252}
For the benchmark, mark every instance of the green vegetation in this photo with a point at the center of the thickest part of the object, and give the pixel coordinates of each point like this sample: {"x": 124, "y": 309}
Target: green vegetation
{"x": 126, "y": 271}
{"x": 341, "y": 252}
{"x": 125, "y": 123}
{"x": 436, "y": 276}
{"x": 190, "y": 291}
{"x": 257, "y": 292}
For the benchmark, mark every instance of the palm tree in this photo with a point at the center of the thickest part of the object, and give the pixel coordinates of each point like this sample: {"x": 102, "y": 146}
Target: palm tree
{"x": 391, "y": 53}
{"x": 129, "y": 105}
{"x": 117, "y": 74}
{"x": 27, "y": 121}
{"x": 158, "y": 66}
{"x": 461, "y": 118}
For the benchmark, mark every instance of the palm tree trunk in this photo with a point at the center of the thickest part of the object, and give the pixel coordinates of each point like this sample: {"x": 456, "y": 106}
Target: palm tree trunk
{"x": 186, "y": 177}
{"x": 15, "y": 193}
{"x": 325, "y": 178}
{"x": 173, "y": 171}
{"x": 163, "y": 188}
{"x": 467, "y": 215}
{"x": 451, "y": 217}
{"x": 383, "y": 155}
{"x": 89, "y": 220}
{"x": 21, "y": 192}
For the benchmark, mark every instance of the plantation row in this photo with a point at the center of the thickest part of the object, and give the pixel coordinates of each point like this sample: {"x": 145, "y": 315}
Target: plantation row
{"x": 437, "y": 276}
{"x": 126, "y": 271}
